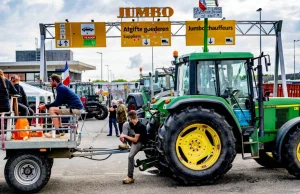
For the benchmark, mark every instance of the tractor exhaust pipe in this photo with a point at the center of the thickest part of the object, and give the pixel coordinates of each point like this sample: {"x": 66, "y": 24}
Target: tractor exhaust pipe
{"x": 260, "y": 97}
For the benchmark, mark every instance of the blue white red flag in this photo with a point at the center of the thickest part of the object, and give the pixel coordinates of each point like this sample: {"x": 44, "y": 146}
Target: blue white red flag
{"x": 202, "y": 5}
{"x": 66, "y": 75}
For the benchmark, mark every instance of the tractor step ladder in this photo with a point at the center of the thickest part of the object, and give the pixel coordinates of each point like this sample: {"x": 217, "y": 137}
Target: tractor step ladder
{"x": 253, "y": 143}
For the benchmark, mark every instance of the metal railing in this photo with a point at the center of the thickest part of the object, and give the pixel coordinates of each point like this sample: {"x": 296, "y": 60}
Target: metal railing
{"x": 71, "y": 126}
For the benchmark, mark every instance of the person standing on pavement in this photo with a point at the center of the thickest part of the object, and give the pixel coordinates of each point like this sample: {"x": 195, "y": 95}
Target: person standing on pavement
{"x": 121, "y": 114}
{"x": 113, "y": 118}
{"x": 134, "y": 132}
{"x": 6, "y": 89}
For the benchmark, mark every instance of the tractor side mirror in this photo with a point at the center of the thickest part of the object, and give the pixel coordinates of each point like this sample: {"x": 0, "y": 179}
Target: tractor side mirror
{"x": 267, "y": 63}
{"x": 148, "y": 105}
{"x": 156, "y": 76}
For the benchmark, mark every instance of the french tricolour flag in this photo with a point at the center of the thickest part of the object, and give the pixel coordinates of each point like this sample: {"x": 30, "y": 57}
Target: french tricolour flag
{"x": 66, "y": 75}
{"x": 202, "y": 5}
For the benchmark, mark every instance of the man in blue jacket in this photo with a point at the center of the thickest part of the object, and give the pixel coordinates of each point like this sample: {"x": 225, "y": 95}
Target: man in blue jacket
{"x": 65, "y": 96}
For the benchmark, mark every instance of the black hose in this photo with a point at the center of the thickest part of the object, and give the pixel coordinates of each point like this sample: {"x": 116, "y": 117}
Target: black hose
{"x": 90, "y": 158}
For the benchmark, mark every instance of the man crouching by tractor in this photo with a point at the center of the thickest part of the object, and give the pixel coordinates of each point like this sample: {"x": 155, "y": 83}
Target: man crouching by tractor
{"x": 134, "y": 133}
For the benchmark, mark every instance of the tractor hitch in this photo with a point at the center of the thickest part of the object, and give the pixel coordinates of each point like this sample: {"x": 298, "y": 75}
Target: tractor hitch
{"x": 146, "y": 163}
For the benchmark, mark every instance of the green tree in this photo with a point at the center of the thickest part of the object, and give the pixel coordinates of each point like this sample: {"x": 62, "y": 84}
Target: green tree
{"x": 98, "y": 80}
{"x": 137, "y": 80}
{"x": 119, "y": 80}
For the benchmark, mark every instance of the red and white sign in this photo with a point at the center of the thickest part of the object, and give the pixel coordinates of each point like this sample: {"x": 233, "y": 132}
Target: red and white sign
{"x": 89, "y": 37}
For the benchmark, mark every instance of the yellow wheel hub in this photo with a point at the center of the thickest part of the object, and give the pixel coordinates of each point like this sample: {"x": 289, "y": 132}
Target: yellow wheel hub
{"x": 298, "y": 152}
{"x": 198, "y": 147}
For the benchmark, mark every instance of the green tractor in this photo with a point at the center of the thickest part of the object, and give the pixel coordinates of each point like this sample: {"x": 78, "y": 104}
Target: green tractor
{"x": 219, "y": 110}
{"x": 160, "y": 86}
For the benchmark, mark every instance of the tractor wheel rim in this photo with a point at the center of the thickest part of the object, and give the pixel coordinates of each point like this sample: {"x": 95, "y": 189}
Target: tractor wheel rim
{"x": 298, "y": 152}
{"x": 100, "y": 113}
{"x": 27, "y": 172}
{"x": 198, "y": 146}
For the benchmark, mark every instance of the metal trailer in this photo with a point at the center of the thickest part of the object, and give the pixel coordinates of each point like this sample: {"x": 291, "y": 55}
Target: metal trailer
{"x": 29, "y": 162}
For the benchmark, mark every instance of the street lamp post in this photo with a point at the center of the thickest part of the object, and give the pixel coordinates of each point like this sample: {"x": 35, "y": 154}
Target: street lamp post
{"x": 260, "y": 9}
{"x": 110, "y": 76}
{"x": 101, "y": 65}
{"x": 107, "y": 73}
{"x": 295, "y": 57}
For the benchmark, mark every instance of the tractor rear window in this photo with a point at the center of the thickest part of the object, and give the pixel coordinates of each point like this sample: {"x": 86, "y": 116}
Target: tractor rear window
{"x": 206, "y": 76}
{"x": 183, "y": 79}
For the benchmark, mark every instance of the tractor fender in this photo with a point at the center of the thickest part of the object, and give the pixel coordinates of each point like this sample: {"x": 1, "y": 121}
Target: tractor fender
{"x": 218, "y": 106}
{"x": 138, "y": 98}
{"x": 283, "y": 132}
{"x": 92, "y": 104}
{"x": 163, "y": 94}
{"x": 195, "y": 101}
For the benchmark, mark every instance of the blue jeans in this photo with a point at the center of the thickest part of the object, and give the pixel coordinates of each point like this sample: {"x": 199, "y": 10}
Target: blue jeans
{"x": 113, "y": 121}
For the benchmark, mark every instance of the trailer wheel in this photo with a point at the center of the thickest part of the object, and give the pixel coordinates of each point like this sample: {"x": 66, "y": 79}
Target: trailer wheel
{"x": 102, "y": 113}
{"x": 27, "y": 172}
{"x": 291, "y": 155}
{"x": 266, "y": 160}
{"x": 50, "y": 162}
{"x": 199, "y": 146}
{"x": 132, "y": 104}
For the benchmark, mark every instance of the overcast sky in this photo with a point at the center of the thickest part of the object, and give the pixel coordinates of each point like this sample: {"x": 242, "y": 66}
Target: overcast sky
{"x": 19, "y": 26}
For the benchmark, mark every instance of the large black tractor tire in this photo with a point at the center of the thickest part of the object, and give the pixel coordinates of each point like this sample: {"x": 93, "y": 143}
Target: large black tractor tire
{"x": 102, "y": 113}
{"x": 291, "y": 154}
{"x": 131, "y": 104}
{"x": 267, "y": 160}
{"x": 199, "y": 146}
{"x": 27, "y": 173}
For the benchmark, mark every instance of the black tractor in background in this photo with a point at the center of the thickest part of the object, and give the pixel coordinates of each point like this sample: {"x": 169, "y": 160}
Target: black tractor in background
{"x": 90, "y": 100}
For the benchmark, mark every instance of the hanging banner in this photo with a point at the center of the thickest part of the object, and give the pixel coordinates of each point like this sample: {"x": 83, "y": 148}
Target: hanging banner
{"x": 143, "y": 34}
{"x": 80, "y": 34}
{"x": 220, "y": 32}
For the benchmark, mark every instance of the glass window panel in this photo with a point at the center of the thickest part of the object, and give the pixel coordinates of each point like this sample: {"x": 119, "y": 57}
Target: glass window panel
{"x": 183, "y": 79}
{"x": 206, "y": 78}
{"x": 29, "y": 77}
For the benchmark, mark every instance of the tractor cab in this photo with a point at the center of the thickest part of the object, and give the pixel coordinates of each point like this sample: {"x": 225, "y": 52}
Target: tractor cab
{"x": 90, "y": 100}
{"x": 162, "y": 81}
{"x": 162, "y": 84}
{"x": 84, "y": 90}
{"x": 225, "y": 75}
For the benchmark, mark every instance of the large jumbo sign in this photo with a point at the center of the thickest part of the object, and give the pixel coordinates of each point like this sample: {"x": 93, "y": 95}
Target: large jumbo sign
{"x": 139, "y": 12}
